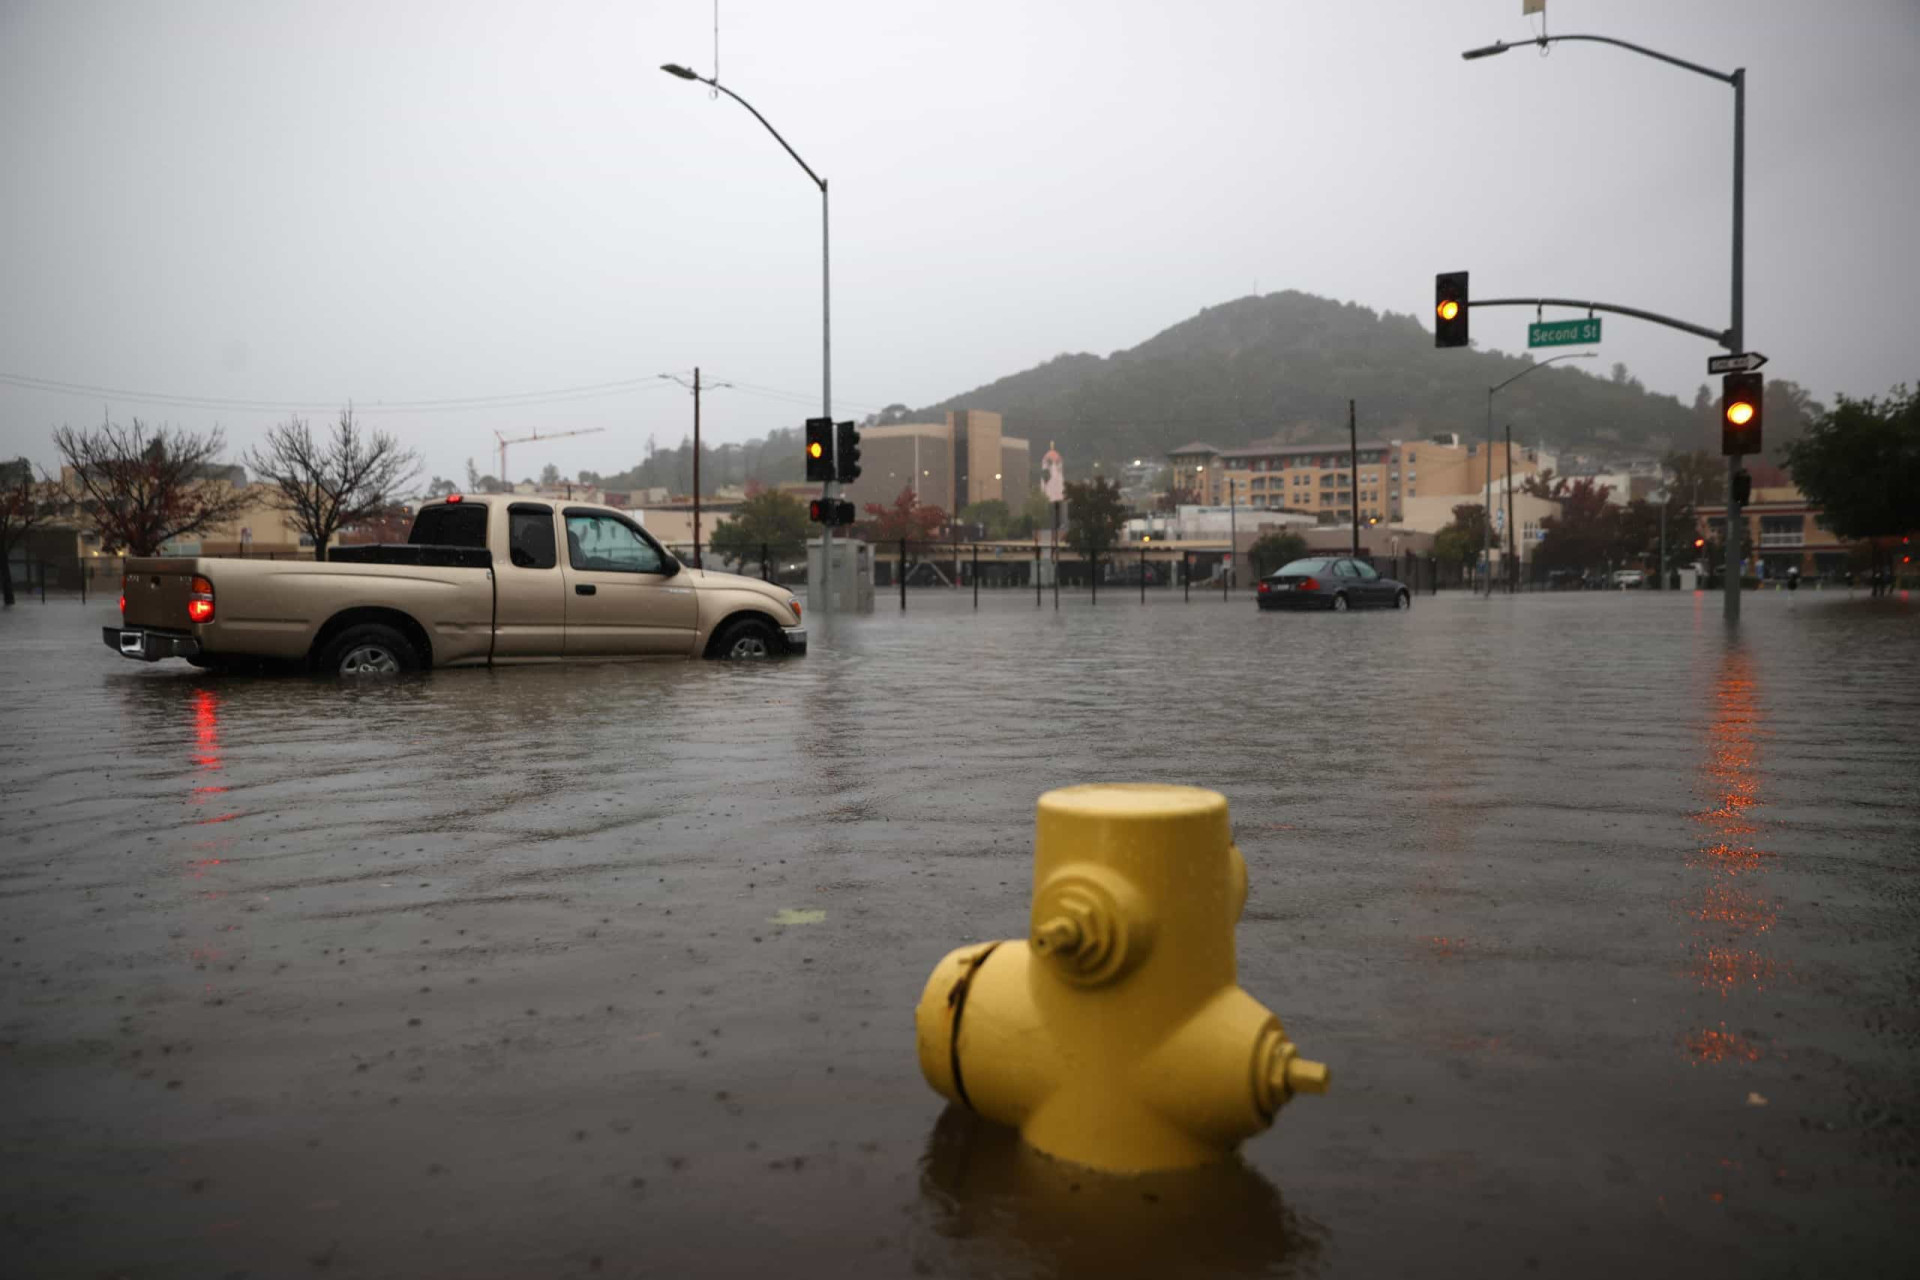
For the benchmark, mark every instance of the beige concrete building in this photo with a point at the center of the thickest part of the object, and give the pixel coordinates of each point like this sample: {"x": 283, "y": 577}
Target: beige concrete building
{"x": 966, "y": 459}
{"x": 1321, "y": 479}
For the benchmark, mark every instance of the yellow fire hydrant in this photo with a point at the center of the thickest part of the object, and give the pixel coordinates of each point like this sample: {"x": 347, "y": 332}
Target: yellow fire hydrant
{"x": 1117, "y": 1036}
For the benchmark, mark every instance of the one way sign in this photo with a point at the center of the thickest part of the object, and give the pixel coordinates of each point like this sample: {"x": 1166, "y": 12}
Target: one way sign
{"x": 1745, "y": 362}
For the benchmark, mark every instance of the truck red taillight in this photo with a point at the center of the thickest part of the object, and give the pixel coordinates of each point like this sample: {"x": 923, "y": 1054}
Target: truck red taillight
{"x": 200, "y": 600}
{"x": 123, "y": 595}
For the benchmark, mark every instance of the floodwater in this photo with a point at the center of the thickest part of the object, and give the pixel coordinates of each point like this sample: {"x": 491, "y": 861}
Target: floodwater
{"x": 1606, "y": 924}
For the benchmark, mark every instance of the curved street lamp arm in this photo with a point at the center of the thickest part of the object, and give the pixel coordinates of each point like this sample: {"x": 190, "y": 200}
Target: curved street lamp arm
{"x": 1541, "y": 364}
{"x": 1501, "y": 46}
{"x": 818, "y": 181}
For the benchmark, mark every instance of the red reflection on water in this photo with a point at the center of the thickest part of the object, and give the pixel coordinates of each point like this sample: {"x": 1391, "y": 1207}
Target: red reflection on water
{"x": 206, "y": 729}
{"x": 1727, "y": 909}
{"x": 1447, "y": 947}
{"x": 1711, "y": 1044}
{"x": 1724, "y": 969}
{"x": 1728, "y": 916}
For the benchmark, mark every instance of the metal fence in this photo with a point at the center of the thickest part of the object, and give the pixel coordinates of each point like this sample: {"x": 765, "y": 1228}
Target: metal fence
{"x": 1138, "y": 570}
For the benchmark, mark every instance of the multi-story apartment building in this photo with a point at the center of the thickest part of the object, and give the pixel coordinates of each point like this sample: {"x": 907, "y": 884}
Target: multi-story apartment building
{"x": 950, "y": 465}
{"x": 1322, "y": 479}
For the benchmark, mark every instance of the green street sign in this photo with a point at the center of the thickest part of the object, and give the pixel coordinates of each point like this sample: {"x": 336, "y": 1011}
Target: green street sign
{"x": 1564, "y": 333}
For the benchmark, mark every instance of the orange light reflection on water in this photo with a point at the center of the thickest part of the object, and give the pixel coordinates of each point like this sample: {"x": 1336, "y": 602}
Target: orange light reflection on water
{"x": 1728, "y": 916}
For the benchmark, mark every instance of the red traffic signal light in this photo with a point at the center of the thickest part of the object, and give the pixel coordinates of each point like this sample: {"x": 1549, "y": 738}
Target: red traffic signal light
{"x": 1742, "y": 410}
{"x": 819, "y": 450}
{"x": 836, "y": 512}
{"x": 1450, "y": 307}
{"x": 1699, "y": 543}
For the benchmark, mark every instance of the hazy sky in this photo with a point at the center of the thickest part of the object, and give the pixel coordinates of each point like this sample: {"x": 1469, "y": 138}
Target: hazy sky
{"x": 302, "y": 203}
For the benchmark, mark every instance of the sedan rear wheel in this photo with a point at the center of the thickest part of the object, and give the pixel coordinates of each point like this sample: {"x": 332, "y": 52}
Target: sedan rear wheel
{"x": 1340, "y": 604}
{"x": 1403, "y": 601}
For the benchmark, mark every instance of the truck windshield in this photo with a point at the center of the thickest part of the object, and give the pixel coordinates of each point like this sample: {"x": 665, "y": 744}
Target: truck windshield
{"x": 450, "y": 526}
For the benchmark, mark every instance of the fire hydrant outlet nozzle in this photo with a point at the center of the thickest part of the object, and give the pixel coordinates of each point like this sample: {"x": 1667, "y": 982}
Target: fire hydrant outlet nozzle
{"x": 1118, "y": 1037}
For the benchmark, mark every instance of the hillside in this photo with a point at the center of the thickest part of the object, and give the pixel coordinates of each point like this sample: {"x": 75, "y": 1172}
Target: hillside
{"x": 1284, "y": 365}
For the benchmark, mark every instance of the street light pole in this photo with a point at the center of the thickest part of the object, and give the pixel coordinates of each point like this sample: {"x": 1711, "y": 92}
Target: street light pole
{"x": 1486, "y": 532}
{"x": 825, "y": 604}
{"x": 1736, "y": 329}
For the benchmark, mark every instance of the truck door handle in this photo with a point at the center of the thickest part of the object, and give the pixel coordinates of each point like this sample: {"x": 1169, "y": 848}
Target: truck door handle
{"x": 583, "y": 588}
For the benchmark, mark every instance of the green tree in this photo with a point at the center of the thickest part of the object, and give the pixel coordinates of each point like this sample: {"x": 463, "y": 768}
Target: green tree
{"x": 1275, "y": 549}
{"x": 1098, "y": 513}
{"x": 770, "y": 519}
{"x": 991, "y": 517}
{"x": 1460, "y": 542}
{"x": 1860, "y": 463}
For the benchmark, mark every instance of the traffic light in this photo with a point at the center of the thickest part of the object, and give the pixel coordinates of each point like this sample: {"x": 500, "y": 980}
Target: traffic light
{"x": 837, "y": 512}
{"x": 846, "y": 452}
{"x": 1450, "y": 309}
{"x": 1741, "y": 413}
{"x": 819, "y": 449}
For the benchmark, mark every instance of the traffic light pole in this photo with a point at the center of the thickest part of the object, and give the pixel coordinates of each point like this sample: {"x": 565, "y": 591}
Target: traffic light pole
{"x": 1734, "y": 338}
{"x": 825, "y": 606}
{"x": 1736, "y": 522}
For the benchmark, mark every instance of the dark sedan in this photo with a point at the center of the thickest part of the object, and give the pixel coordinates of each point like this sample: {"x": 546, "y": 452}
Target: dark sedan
{"x": 1331, "y": 582}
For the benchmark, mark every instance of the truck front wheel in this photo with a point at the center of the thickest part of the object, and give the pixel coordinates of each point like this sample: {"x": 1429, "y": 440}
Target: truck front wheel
{"x": 369, "y": 649}
{"x": 748, "y": 639}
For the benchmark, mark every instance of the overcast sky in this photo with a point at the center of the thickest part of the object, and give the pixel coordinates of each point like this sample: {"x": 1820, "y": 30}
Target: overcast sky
{"x": 305, "y": 203}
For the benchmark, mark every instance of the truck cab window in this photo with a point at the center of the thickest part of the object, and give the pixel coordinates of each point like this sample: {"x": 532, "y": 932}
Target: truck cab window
{"x": 605, "y": 544}
{"x": 448, "y": 525}
{"x": 530, "y": 537}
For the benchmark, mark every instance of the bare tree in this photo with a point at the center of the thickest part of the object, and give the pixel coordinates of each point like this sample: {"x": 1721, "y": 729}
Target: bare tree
{"x": 22, "y": 508}
{"x": 144, "y": 487}
{"x": 344, "y": 478}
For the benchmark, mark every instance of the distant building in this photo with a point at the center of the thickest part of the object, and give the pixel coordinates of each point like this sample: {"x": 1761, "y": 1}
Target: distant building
{"x": 1783, "y": 529}
{"x": 949, "y": 465}
{"x": 1320, "y": 479}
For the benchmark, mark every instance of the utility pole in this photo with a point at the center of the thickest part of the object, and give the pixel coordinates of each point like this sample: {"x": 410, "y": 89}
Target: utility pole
{"x": 696, "y": 467}
{"x": 1513, "y": 562}
{"x": 1353, "y": 466}
{"x": 1486, "y": 507}
{"x": 1233, "y": 533}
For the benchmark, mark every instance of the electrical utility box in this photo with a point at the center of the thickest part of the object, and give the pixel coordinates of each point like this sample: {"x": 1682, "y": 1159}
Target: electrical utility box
{"x": 850, "y": 577}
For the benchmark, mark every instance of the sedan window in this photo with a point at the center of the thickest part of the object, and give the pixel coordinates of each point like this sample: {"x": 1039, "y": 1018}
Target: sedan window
{"x": 608, "y": 545}
{"x": 1298, "y": 567}
{"x": 1364, "y": 571}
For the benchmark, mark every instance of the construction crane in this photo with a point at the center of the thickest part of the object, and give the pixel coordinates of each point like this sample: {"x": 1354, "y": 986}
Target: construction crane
{"x": 550, "y": 435}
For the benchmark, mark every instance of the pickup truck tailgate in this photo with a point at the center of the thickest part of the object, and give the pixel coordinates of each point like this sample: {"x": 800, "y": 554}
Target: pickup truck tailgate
{"x": 156, "y": 594}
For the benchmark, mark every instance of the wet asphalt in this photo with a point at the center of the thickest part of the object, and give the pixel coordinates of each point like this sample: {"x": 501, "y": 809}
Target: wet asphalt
{"x": 1608, "y": 924}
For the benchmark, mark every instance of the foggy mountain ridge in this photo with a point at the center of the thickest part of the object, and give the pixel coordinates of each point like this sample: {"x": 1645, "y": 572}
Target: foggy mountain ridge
{"x": 1284, "y": 364}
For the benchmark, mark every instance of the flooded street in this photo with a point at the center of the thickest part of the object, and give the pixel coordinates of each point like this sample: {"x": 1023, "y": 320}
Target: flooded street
{"x": 1606, "y": 925}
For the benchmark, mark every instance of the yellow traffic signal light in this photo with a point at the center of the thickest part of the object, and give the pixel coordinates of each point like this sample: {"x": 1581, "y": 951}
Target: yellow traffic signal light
{"x": 1450, "y": 303}
{"x": 814, "y": 450}
{"x": 1740, "y": 424}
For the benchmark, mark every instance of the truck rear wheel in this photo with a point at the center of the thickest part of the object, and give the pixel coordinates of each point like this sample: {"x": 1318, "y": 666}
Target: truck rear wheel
{"x": 368, "y": 649}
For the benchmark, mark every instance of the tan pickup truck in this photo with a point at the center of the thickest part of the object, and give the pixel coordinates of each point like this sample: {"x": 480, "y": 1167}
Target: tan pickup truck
{"x": 479, "y": 581}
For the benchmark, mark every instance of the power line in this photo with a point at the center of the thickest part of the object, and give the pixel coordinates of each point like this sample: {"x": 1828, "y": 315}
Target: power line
{"x": 505, "y": 400}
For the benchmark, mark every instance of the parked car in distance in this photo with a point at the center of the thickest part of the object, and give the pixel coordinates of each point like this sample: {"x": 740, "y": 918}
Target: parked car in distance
{"x": 481, "y": 581}
{"x": 1626, "y": 578}
{"x": 1331, "y": 582}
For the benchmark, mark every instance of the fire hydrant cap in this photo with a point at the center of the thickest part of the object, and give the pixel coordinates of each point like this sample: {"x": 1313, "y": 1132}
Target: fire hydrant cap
{"x": 1132, "y": 800}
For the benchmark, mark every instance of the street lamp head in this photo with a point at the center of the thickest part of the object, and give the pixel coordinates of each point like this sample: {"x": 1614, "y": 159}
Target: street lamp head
{"x": 1486, "y": 51}
{"x": 675, "y": 69}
